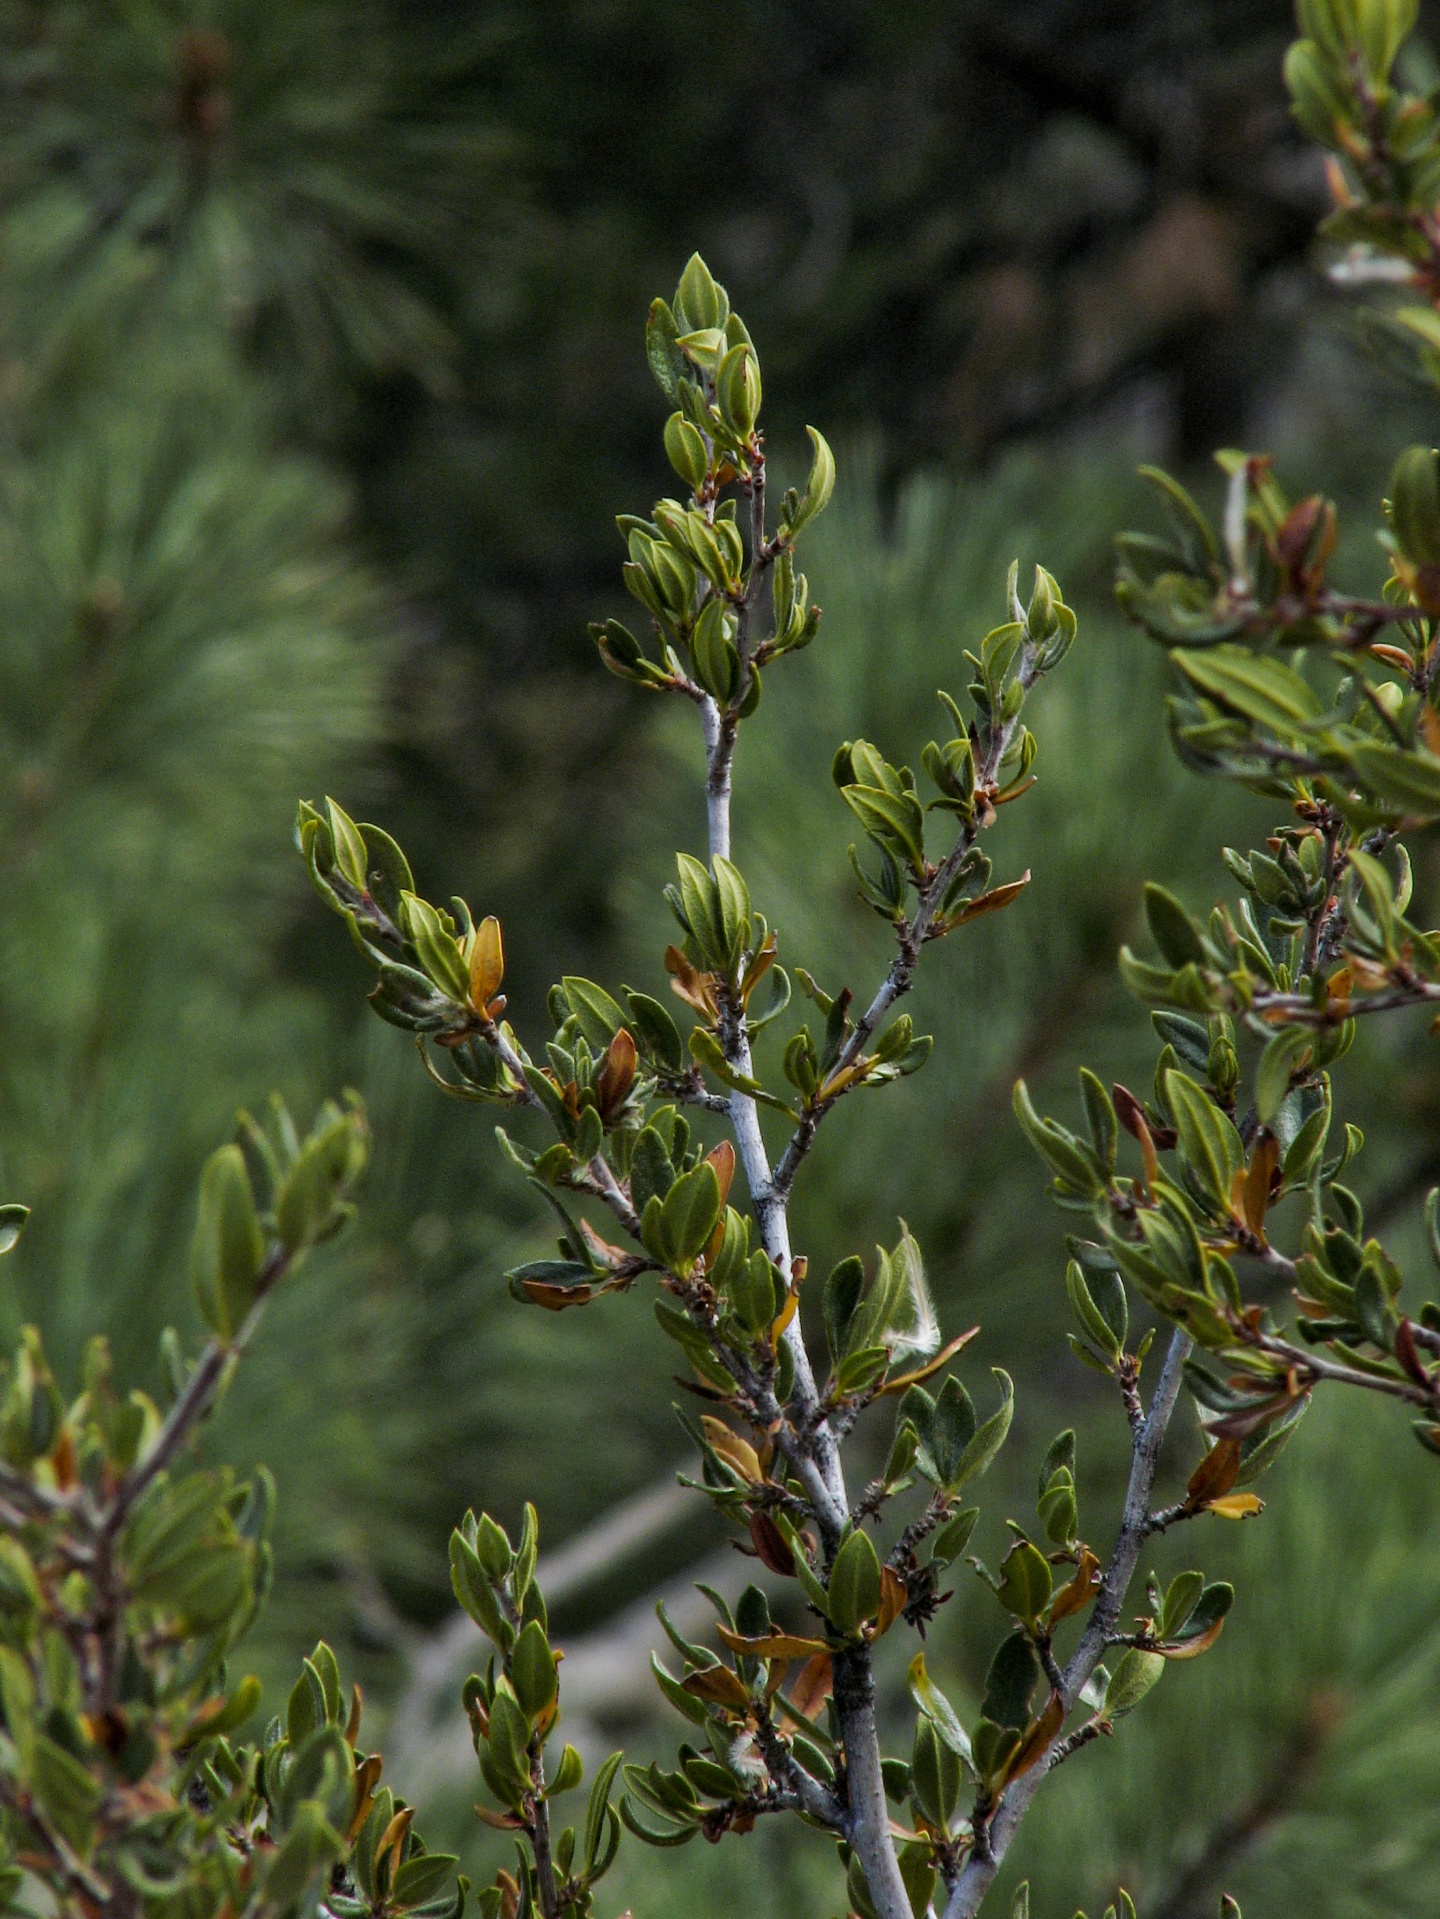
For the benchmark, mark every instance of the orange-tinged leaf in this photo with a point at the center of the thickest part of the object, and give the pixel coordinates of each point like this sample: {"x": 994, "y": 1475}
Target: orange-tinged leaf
{"x": 722, "y": 1158}
{"x": 487, "y": 964}
{"x": 718, "y": 1686}
{"x": 814, "y": 1685}
{"x": 1255, "y": 1192}
{"x": 734, "y": 1450}
{"x": 617, "y": 1075}
{"x": 501, "y": 1821}
{"x": 1235, "y": 1506}
{"x": 556, "y": 1298}
{"x": 1429, "y": 718}
{"x": 904, "y": 1380}
{"x": 998, "y": 896}
{"x": 893, "y": 1594}
{"x": 1038, "y": 1735}
{"x": 394, "y": 1836}
{"x": 1393, "y": 656}
{"x": 1192, "y": 1648}
{"x": 689, "y": 985}
{"x": 759, "y": 966}
{"x": 783, "y": 1318}
{"x": 1216, "y": 1473}
{"x": 1079, "y": 1590}
{"x": 352, "y": 1726}
{"x": 772, "y": 1645}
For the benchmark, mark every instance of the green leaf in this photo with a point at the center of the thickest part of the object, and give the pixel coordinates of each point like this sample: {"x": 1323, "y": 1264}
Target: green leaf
{"x": 597, "y": 1807}
{"x": 1026, "y": 1582}
{"x": 988, "y": 1440}
{"x": 228, "y": 1247}
{"x": 893, "y": 820}
{"x": 1171, "y": 928}
{"x": 68, "y": 1792}
{"x": 12, "y": 1221}
{"x": 843, "y": 1290}
{"x": 1208, "y": 1139}
{"x": 689, "y": 1214}
{"x": 474, "y": 1593}
{"x": 1273, "y": 1069}
{"x": 439, "y": 951}
{"x": 656, "y": 1031}
{"x": 937, "y": 1708}
{"x": 1253, "y": 685}
{"x": 532, "y": 1670}
{"x": 597, "y": 1015}
{"x": 1137, "y": 1672}
{"x": 854, "y": 1589}
{"x": 821, "y": 483}
{"x": 1013, "y": 1676}
{"x": 1407, "y": 781}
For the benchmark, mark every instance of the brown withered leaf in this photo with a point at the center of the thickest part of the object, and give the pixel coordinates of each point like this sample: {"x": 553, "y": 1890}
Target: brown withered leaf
{"x": 718, "y": 1686}
{"x": 772, "y": 1645}
{"x": 814, "y": 1685}
{"x": 1215, "y": 1475}
{"x": 1255, "y": 1192}
{"x": 1038, "y": 1735}
{"x": 501, "y": 1821}
{"x": 1407, "y": 1354}
{"x": 893, "y": 1594}
{"x": 1079, "y": 1590}
{"x": 694, "y": 988}
{"x": 772, "y": 1548}
{"x": 617, "y": 1075}
{"x": 992, "y": 901}
{"x": 556, "y": 1298}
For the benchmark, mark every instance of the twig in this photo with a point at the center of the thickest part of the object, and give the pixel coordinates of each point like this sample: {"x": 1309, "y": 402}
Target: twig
{"x": 979, "y": 1873}
{"x": 910, "y": 936}
{"x": 817, "y": 1460}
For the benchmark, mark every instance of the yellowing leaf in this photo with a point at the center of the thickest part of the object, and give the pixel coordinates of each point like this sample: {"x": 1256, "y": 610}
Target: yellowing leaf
{"x": 773, "y": 1645}
{"x": 1236, "y": 1506}
{"x": 904, "y": 1380}
{"x": 487, "y": 964}
{"x": 734, "y": 1450}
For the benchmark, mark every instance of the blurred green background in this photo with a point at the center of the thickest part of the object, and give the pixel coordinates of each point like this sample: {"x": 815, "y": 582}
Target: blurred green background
{"x": 321, "y": 382}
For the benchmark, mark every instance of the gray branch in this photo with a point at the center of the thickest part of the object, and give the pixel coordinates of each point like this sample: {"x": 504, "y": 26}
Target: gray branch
{"x": 980, "y": 1870}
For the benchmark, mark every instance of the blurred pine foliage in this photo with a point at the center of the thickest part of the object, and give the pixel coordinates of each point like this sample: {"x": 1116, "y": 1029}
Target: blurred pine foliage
{"x": 318, "y": 392}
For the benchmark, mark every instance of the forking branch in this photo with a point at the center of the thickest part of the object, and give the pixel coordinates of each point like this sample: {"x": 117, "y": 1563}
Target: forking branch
{"x": 615, "y": 1080}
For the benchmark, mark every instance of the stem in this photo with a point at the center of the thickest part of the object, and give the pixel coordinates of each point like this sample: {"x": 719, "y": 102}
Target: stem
{"x": 819, "y": 1469}
{"x": 719, "y": 732}
{"x": 911, "y": 935}
{"x": 869, "y": 1831}
{"x": 540, "y": 1843}
{"x": 194, "y": 1403}
{"x": 975, "y": 1881}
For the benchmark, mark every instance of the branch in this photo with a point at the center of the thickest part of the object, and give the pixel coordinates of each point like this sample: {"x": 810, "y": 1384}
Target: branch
{"x": 538, "y": 1832}
{"x": 808, "y": 1794}
{"x": 911, "y": 935}
{"x": 818, "y": 1465}
{"x": 975, "y": 1881}
{"x": 602, "y": 1184}
{"x": 190, "y": 1409}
